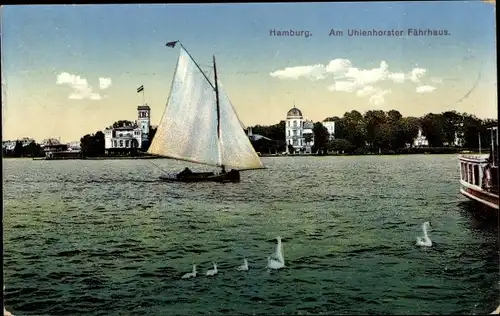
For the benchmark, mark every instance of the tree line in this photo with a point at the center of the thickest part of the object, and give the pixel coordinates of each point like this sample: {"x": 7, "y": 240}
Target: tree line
{"x": 31, "y": 150}
{"x": 377, "y": 131}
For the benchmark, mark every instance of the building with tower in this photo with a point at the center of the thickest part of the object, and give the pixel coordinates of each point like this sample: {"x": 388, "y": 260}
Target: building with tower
{"x": 144, "y": 122}
{"x": 298, "y": 132}
{"x": 135, "y": 136}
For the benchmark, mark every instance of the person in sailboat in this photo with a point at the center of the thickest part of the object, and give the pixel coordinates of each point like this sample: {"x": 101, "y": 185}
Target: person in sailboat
{"x": 184, "y": 172}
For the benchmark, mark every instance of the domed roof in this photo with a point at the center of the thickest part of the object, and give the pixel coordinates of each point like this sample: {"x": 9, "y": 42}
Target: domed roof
{"x": 294, "y": 112}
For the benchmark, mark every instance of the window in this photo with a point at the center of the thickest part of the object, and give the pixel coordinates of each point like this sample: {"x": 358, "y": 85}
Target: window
{"x": 288, "y": 132}
{"x": 476, "y": 174}
{"x": 294, "y": 123}
{"x": 127, "y": 143}
{"x": 114, "y": 143}
{"x": 288, "y": 123}
{"x": 121, "y": 143}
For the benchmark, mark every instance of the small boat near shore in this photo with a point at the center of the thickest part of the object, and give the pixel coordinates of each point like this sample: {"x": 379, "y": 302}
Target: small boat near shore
{"x": 479, "y": 175}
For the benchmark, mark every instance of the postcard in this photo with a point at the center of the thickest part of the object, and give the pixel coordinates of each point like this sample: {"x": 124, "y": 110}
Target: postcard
{"x": 250, "y": 158}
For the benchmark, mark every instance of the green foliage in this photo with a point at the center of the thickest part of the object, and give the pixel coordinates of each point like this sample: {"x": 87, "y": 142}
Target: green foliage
{"x": 122, "y": 123}
{"x": 31, "y": 150}
{"x": 321, "y": 137}
{"x": 92, "y": 145}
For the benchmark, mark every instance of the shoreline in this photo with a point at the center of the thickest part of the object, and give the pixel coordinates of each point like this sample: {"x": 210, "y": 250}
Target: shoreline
{"x": 261, "y": 155}
{"x": 344, "y": 155}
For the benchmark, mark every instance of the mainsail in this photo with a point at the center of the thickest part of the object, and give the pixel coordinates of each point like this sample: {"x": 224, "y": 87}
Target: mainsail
{"x": 188, "y": 127}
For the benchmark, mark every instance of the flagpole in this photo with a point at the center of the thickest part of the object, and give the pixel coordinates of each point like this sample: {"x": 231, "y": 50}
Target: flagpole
{"x": 143, "y": 97}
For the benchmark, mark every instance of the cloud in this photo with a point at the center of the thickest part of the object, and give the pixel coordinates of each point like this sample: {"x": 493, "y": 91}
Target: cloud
{"x": 425, "y": 89}
{"x": 347, "y": 78}
{"x": 436, "y": 80}
{"x": 315, "y": 72}
{"x": 343, "y": 86}
{"x": 104, "y": 83}
{"x": 366, "y": 91}
{"x": 338, "y": 65}
{"x": 416, "y": 74}
{"x": 378, "y": 97}
{"x": 397, "y": 77}
{"x": 81, "y": 88}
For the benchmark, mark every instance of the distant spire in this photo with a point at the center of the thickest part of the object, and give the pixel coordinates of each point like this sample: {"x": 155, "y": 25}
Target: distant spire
{"x": 294, "y": 104}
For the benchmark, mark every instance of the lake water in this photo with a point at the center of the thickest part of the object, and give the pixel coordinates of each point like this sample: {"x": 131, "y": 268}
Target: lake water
{"x": 107, "y": 238}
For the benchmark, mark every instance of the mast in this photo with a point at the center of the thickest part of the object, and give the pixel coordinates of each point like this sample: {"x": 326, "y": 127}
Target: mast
{"x": 218, "y": 111}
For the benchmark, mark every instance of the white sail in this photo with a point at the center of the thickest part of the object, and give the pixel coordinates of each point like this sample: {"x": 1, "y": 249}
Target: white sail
{"x": 236, "y": 150}
{"x": 188, "y": 127}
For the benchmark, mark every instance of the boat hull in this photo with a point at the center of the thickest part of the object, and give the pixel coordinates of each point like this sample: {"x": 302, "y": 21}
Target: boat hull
{"x": 487, "y": 199}
{"x": 231, "y": 176}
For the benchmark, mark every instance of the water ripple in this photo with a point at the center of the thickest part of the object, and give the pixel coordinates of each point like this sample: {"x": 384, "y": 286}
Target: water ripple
{"x": 108, "y": 238}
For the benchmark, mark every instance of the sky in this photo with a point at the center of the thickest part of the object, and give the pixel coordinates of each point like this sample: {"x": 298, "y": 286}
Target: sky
{"x": 71, "y": 70}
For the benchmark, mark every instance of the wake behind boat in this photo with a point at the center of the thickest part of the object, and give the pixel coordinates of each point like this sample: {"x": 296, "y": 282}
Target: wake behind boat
{"x": 200, "y": 125}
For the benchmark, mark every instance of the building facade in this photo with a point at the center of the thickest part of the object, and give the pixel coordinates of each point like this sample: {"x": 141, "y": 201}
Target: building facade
{"x": 144, "y": 123}
{"x": 130, "y": 137}
{"x": 298, "y": 132}
{"x": 330, "y": 126}
{"x": 420, "y": 140}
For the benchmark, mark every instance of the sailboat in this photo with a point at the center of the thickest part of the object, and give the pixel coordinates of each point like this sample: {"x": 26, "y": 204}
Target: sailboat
{"x": 200, "y": 125}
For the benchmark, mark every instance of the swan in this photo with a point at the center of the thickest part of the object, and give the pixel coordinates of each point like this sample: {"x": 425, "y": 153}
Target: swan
{"x": 212, "y": 271}
{"x": 424, "y": 241}
{"x": 190, "y": 274}
{"x": 274, "y": 264}
{"x": 279, "y": 261}
{"x": 244, "y": 266}
{"x": 279, "y": 250}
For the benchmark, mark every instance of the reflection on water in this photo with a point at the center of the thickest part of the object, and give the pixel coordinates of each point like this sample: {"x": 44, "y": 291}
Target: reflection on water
{"x": 107, "y": 238}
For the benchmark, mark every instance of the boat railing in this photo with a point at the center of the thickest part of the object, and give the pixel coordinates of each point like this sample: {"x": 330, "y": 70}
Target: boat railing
{"x": 474, "y": 156}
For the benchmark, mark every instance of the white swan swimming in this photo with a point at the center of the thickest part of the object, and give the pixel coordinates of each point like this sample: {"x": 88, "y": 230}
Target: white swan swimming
{"x": 279, "y": 261}
{"x": 274, "y": 264}
{"x": 244, "y": 266}
{"x": 6, "y": 312}
{"x": 212, "y": 271}
{"x": 190, "y": 274}
{"x": 424, "y": 241}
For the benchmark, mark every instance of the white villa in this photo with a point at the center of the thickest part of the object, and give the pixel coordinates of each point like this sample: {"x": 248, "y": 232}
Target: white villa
{"x": 128, "y": 137}
{"x": 297, "y": 132}
{"x": 420, "y": 140}
{"x": 330, "y": 126}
